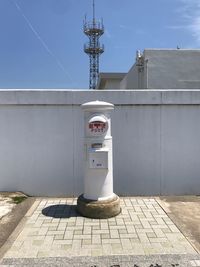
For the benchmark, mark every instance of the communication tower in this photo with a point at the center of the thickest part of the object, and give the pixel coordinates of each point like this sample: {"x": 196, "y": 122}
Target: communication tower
{"x": 94, "y": 30}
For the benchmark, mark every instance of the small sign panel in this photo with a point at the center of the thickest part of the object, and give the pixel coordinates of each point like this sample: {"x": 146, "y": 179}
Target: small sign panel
{"x": 97, "y": 127}
{"x": 98, "y": 159}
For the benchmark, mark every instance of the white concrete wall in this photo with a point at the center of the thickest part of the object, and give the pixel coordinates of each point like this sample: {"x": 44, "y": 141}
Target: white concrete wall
{"x": 155, "y": 140}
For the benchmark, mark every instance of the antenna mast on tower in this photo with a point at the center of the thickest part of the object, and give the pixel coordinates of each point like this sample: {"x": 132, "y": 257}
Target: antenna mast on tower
{"x": 94, "y": 30}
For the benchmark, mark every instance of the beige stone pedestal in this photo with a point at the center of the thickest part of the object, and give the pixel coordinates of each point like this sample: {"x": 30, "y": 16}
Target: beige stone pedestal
{"x": 98, "y": 209}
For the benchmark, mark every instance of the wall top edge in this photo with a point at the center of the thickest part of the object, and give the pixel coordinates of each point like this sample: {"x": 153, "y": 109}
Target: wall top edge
{"x": 100, "y": 90}
{"x": 116, "y": 97}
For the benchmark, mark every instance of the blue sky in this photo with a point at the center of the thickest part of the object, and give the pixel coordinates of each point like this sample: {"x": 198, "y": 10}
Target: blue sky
{"x": 41, "y": 41}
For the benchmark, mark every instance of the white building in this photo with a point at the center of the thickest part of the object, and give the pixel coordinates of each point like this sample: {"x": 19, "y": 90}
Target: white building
{"x": 157, "y": 69}
{"x": 110, "y": 80}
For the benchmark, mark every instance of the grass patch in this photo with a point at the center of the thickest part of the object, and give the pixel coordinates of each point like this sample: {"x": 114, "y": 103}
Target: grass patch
{"x": 18, "y": 199}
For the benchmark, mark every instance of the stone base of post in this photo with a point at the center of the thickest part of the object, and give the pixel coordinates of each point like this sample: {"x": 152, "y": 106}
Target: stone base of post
{"x": 98, "y": 209}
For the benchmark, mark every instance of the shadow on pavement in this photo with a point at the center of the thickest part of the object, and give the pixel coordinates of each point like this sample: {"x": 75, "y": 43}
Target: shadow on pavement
{"x": 61, "y": 211}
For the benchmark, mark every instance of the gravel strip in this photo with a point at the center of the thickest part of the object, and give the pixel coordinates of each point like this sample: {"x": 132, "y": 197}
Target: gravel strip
{"x": 110, "y": 261}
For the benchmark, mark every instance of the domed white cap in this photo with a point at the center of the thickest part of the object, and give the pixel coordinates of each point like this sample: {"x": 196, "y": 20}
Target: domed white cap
{"x": 97, "y": 105}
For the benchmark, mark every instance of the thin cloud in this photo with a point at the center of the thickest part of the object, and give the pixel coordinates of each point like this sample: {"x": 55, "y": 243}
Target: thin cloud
{"x": 195, "y": 28}
{"x": 125, "y": 27}
{"x": 190, "y": 14}
{"x": 175, "y": 27}
{"x": 122, "y": 26}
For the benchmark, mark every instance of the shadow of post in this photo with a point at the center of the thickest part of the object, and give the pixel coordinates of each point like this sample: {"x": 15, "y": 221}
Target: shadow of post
{"x": 61, "y": 211}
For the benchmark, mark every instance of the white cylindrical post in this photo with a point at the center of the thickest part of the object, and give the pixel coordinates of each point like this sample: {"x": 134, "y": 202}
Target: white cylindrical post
{"x": 98, "y": 199}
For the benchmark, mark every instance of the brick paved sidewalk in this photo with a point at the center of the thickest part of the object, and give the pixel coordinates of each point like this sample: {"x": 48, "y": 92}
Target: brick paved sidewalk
{"x": 56, "y": 230}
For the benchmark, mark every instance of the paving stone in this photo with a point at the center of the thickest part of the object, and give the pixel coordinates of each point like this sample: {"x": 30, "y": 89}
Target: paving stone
{"x": 122, "y": 231}
{"x": 63, "y": 242}
{"x": 114, "y": 234}
{"x": 87, "y": 230}
{"x": 134, "y": 240}
{"x": 76, "y": 244}
{"x": 75, "y": 237}
{"x": 96, "y": 239}
{"x": 111, "y": 241}
{"x": 97, "y": 252}
{"x": 130, "y": 229}
{"x": 86, "y": 242}
{"x": 122, "y": 236}
{"x": 103, "y": 231}
{"x": 55, "y": 232}
{"x": 105, "y": 236}
{"x": 152, "y": 234}
{"x": 158, "y": 240}
{"x": 38, "y": 242}
{"x": 104, "y": 226}
{"x": 59, "y": 237}
{"x": 52, "y": 228}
